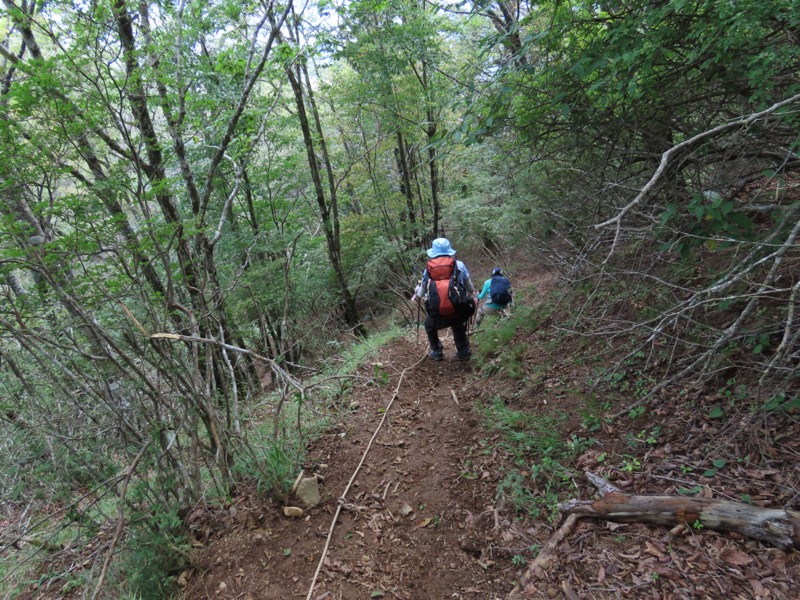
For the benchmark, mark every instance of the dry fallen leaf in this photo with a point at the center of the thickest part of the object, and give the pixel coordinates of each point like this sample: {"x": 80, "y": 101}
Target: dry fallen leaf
{"x": 652, "y": 550}
{"x": 183, "y": 579}
{"x": 777, "y": 560}
{"x": 757, "y": 587}
{"x": 424, "y": 523}
{"x": 568, "y": 591}
{"x": 667, "y": 572}
{"x": 735, "y": 556}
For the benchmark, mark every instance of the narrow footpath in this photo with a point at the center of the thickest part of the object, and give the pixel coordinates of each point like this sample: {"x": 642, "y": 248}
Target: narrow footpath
{"x": 418, "y": 521}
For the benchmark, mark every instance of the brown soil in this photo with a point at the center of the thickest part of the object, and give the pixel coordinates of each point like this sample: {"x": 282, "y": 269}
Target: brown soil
{"x": 416, "y": 522}
{"x": 423, "y": 519}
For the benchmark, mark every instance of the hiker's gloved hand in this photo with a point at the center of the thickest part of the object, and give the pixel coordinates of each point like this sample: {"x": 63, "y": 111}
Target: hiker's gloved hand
{"x": 414, "y": 298}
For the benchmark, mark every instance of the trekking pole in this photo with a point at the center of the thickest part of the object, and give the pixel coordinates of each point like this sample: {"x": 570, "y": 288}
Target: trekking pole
{"x": 473, "y": 315}
{"x": 419, "y": 313}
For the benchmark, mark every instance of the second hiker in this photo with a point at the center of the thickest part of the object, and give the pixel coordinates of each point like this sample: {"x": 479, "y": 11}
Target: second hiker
{"x": 449, "y": 298}
{"x": 498, "y": 288}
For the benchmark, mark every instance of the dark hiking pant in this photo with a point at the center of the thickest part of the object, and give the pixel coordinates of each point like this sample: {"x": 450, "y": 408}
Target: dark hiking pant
{"x": 457, "y": 324}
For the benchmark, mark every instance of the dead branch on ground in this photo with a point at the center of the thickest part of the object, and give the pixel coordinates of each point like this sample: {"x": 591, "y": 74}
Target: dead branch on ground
{"x": 777, "y": 527}
{"x": 541, "y": 563}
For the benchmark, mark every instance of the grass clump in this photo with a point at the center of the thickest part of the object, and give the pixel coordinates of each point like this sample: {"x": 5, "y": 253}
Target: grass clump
{"x": 497, "y": 348}
{"x": 540, "y": 456}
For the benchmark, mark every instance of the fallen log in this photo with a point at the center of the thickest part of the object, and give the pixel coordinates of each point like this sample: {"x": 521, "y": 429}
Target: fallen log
{"x": 777, "y": 527}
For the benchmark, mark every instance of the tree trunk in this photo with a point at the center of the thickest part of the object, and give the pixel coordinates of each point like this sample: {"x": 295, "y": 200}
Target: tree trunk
{"x": 329, "y": 217}
{"x": 507, "y": 25}
{"x": 405, "y": 179}
{"x": 433, "y": 165}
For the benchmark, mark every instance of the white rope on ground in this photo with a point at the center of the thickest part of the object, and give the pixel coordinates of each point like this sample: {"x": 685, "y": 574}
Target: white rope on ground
{"x": 355, "y": 474}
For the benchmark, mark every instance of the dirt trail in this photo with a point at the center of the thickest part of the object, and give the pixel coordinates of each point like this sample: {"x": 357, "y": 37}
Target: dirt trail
{"x": 419, "y": 520}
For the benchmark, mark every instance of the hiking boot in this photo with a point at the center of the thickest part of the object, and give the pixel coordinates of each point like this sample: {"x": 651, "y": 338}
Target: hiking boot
{"x": 436, "y": 355}
{"x": 463, "y": 355}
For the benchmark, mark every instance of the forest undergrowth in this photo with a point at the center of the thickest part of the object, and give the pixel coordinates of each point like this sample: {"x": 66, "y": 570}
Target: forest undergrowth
{"x": 548, "y": 402}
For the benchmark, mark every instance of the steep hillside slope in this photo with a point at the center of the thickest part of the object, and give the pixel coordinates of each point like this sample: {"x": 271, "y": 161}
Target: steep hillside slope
{"x": 458, "y": 488}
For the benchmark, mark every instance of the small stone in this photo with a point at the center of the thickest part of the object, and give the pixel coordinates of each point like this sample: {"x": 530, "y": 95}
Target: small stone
{"x": 222, "y": 587}
{"x": 293, "y": 511}
{"x": 308, "y": 492}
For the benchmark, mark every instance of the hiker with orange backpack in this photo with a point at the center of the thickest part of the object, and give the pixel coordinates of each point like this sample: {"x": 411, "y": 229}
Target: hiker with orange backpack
{"x": 449, "y": 298}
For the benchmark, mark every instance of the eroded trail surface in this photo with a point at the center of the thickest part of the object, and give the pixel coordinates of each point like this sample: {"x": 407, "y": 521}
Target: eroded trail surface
{"x": 418, "y": 521}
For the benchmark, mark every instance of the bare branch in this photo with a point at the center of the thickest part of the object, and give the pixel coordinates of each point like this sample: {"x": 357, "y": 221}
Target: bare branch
{"x": 666, "y": 156}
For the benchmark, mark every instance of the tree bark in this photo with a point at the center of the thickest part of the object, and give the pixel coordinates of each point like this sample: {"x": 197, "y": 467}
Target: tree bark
{"x": 777, "y": 527}
{"x": 405, "y": 178}
{"x": 507, "y": 25}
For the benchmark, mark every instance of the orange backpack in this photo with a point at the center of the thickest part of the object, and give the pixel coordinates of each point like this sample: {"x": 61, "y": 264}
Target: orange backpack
{"x": 447, "y": 294}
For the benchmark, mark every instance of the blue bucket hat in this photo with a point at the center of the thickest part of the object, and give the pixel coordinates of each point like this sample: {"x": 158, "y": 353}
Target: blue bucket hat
{"x": 497, "y": 271}
{"x": 440, "y": 247}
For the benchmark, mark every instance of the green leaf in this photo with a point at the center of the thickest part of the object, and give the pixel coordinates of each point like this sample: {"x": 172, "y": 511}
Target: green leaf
{"x": 709, "y": 473}
{"x": 719, "y": 463}
{"x": 716, "y": 412}
{"x": 377, "y": 594}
